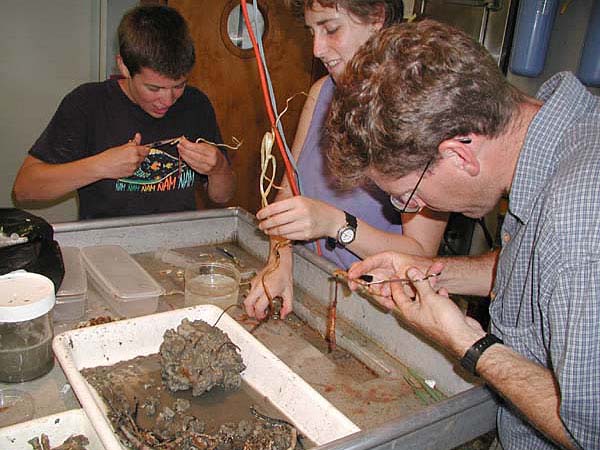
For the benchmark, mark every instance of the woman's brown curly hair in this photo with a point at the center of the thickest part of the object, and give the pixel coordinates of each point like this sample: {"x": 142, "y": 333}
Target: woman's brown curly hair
{"x": 365, "y": 10}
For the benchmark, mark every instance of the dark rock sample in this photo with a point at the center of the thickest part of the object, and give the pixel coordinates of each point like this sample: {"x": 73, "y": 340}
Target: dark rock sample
{"x": 199, "y": 356}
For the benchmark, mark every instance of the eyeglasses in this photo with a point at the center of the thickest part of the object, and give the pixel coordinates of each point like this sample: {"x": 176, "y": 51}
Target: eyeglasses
{"x": 406, "y": 204}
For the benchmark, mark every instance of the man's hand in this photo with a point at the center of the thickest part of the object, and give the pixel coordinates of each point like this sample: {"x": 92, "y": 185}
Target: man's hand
{"x": 387, "y": 265}
{"x": 434, "y": 315}
{"x": 429, "y": 311}
{"x": 203, "y": 158}
{"x": 122, "y": 161}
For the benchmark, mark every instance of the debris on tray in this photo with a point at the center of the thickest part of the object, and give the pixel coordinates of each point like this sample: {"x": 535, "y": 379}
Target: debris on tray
{"x": 150, "y": 404}
{"x": 75, "y": 442}
{"x": 422, "y": 388}
{"x": 95, "y": 321}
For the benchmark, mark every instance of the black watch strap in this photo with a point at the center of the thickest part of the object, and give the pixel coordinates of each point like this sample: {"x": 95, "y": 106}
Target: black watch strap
{"x": 351, "y": 220}
{"x": 330, "y": 243}
{"x": 469, "y": 360}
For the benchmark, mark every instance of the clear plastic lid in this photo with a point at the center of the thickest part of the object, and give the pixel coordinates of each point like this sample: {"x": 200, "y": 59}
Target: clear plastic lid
{"x": 74, "y": 283}
{"x": 118, "y": 273}
{"x": 25, "y": 296}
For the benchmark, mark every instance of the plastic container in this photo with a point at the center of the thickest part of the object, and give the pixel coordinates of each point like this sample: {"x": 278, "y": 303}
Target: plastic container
{"x": 589, "y": 65}
{"x": 212, "y": 283}
{"x": 535, "y": 19}
{"x": 72, "y": 294}
{"x": 120, "y": 279}
{"x": 17, "y": 406}
{"x": 26, "y": 303}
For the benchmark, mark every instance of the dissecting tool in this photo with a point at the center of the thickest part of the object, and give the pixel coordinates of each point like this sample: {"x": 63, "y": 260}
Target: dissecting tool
{"x": 367, "y": 280}
{"x": 171, "y": 141}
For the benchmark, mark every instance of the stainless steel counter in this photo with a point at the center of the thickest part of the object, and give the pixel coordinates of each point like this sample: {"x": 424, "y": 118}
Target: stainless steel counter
{"x": 365, "y": 379}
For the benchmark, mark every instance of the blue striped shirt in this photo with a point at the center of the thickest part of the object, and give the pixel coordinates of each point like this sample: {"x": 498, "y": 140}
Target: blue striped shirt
{"x": 547, "y": 290}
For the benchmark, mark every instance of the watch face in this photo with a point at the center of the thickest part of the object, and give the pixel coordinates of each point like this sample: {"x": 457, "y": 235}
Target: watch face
{"x": 347, "y": 235}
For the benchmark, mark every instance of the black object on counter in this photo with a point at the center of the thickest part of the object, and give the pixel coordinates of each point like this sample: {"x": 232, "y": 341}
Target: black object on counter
{"x": 34, "y": 248}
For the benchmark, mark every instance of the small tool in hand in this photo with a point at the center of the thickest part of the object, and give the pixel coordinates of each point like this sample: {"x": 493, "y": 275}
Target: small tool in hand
{"x": 171, "y": 141}
{"x": 367, "y": 279}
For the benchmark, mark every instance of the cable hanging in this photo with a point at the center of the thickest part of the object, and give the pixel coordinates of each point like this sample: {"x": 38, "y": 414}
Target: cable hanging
{"x": 289, "y": 169}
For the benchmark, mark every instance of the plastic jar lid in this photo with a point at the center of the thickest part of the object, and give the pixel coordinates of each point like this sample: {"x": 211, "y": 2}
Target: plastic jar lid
{"x": 25, "y": 296}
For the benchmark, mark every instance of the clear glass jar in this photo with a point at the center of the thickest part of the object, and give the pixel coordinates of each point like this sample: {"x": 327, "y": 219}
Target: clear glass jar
{"x": 212, "y": 283}
{"x": 26, "y": 302}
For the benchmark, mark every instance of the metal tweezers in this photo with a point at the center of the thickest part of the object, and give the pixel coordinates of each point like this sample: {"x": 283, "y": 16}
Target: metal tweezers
{"x": 367, "y": 280}
{"x": 171, "y": 141}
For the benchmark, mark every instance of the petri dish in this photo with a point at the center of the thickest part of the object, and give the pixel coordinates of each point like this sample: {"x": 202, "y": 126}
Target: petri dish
{"x": 16, "y": 406}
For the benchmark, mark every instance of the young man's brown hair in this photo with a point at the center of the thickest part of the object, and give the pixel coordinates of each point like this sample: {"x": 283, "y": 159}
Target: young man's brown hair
{"x": 158, "y": 38}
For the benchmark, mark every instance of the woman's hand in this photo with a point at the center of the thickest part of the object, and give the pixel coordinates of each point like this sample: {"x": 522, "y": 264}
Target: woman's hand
{"x": 279, "y": 283}
{"x": 300, "y": 218}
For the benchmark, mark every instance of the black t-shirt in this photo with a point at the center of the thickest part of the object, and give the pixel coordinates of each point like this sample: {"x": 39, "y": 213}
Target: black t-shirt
{"x": 97, "y": 116}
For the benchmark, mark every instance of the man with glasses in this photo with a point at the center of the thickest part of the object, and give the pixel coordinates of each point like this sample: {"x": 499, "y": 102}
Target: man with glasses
{"x": 425, "y": 113}
{"x": 406, "y": 203}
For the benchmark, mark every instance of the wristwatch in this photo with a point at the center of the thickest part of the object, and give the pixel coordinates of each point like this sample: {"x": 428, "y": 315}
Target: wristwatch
{"x": 469, "y": 360}
{"x": 347, "y": 233}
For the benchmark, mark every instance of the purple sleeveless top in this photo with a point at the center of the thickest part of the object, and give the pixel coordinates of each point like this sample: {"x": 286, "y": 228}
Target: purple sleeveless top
{"x": 372, "y": 205}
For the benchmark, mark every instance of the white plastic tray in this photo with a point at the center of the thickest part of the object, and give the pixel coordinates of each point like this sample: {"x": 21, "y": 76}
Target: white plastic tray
{"x": 110, "y": 343}
{"x": 58, "y": 427}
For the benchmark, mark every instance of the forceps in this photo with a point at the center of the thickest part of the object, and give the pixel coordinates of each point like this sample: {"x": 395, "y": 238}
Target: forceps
{"x": 367, "y": 280}
{"x": 171, "y": 141}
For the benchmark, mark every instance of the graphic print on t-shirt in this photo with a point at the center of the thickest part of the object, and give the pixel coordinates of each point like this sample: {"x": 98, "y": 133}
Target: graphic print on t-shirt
{"x": 159, "y": 171}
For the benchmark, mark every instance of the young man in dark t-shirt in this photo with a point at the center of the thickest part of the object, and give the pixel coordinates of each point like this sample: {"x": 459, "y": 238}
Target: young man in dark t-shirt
{"x": 96, "y": 143}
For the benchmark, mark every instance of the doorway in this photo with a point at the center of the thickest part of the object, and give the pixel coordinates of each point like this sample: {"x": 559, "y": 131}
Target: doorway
{"x": 226, "y": 71}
